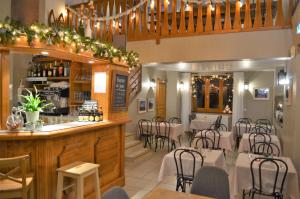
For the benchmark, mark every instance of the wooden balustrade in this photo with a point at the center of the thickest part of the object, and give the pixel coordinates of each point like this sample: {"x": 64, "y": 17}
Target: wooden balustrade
{"x": 175, "y": 18}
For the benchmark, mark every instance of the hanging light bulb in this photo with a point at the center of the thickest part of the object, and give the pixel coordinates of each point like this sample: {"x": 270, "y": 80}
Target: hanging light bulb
{"x": 168, "y": 2}
{"x": 133, "y": 15}
{"x": 152, "y": 3}
{"x": 114, "y": 24}
{"x": 187, "y": 7}
{"x": 240, "y": 4}
{"x": 212, "y": 8}
{"x": 97, "y": 25}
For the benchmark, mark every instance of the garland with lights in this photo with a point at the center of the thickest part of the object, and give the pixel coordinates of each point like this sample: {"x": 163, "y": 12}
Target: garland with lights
{"x": 11, "y": 31}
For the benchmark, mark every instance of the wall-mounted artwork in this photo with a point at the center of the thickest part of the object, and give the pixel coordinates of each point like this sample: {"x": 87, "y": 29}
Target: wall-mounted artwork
{"x": 142, "y": 106}
{"x": 261, "y": 93}
{"x": 151, "y": 104}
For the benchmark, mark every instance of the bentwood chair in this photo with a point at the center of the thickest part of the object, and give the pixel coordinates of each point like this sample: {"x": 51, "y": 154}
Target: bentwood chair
{"x": 265, "y": 148}
{"x": 243, "y": 125}
{"x": 212, "y": 182}
{"x": 185, "y": 171}
{"x": 258, "y": 137}
{"x": 259, "y": 181}
{"x": 145, "y": 131}
{"x": 204, "y": 142}
{"x": 162, "y": 134}
{"x": 174, "y": 120}
{"x": 157, "y": 119}
{"x": 222, "y": 127}
{"x": 115, "y": 193}
{"x": 15, "y": 182}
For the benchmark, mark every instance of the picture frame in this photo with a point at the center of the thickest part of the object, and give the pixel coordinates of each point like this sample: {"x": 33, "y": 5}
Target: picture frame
{"x": 151, "y": 104}
{"x": 261, "y": 94}
{"x": 142, "y": 105}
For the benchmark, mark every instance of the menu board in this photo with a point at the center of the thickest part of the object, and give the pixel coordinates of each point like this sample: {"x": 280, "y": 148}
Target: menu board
{"x": 119, "y": 91}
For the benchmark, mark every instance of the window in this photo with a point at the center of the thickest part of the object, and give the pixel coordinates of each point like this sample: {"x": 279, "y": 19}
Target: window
{"x": 212, "y": 94}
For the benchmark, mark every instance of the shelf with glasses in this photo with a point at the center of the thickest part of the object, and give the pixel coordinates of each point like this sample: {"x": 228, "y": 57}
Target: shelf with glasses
{"x": 44, "y": 79}
{"x": 82, "y": 82}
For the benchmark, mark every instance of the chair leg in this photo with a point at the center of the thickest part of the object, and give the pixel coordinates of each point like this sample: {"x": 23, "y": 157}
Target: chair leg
{"x": 179, "y": 140}
{"x": 59, "y": 189}
{"x": 80, "y": 189}
{"x": 97, "y": 184}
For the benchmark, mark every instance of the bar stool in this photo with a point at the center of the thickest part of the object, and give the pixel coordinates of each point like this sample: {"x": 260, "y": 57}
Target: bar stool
{"x": 78, "y": 171}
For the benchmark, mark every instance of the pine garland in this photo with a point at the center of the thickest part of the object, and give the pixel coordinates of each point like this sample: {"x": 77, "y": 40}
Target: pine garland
{"x": 10, "y": 31}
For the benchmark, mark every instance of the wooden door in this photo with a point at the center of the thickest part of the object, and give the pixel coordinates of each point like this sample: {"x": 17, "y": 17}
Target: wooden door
{"x": 161, "y": 89}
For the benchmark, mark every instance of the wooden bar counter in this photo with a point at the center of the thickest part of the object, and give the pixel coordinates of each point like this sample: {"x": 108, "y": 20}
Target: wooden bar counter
{"x": 55, "y": 146}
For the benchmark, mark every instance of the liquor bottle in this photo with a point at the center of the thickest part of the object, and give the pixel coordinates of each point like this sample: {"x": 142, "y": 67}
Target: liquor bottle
{"x": 101, "y": 114}
{"x": 38, "y": 70}
{"x": 29, "y": 71}
{"x": 50, "y": 70}
{"x": 44, "y": 71}
{"x": 67, "y": 70}
{"x": 61, "y": 69}
{"x": 80, "y": 115}
{"x": 86, "y": 116}
{"x": 97, "y": 116}
{"x": 92, "y": 116}
{"x": 55, "y": 68}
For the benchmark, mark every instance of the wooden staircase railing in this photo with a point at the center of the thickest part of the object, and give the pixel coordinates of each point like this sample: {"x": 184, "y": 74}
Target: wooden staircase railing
{"x": 135, "y": 82}
{"x": 157, "y": 19}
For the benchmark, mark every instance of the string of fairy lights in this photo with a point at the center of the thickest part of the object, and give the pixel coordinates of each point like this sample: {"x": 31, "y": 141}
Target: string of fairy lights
{"x": 132, "y": 11}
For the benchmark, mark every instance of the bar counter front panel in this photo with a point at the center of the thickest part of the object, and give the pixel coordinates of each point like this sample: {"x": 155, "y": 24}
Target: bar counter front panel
{"x": 101, "y": 143}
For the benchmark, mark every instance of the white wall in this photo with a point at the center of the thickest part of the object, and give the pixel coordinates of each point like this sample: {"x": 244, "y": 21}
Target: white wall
{"x": 229, "y": 46}
{"x": 172, "y": 97}
{"x": 259, "y": 109}
{"x": 5, "y": 9}
{"x": 46, "y": 5}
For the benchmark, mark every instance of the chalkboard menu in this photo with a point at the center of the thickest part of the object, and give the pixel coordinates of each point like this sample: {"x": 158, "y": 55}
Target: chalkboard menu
{"x": 119, "y": 91}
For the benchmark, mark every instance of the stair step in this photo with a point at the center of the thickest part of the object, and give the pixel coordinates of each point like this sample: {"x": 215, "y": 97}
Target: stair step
{"x": 132, "y": 143}
{"x": 133, "y": 154}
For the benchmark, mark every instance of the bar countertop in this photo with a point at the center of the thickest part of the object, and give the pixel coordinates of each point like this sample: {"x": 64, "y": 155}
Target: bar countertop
{"x": 57, "y": 130}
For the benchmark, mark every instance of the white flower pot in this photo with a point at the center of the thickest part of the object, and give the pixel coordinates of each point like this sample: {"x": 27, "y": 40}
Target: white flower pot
{"x": 32, "y": 116}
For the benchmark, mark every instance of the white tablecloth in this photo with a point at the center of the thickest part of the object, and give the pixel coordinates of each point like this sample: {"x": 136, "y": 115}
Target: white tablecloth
{"x": 200, "y": 124}
{"x": 252, "y": 125}
{"x": 211, "y": 158}
{"x": 243, "y": 180}
{"x": 226, "y": 140}
{"x": 175, "y": 130}
{"x": 244, "y": 143}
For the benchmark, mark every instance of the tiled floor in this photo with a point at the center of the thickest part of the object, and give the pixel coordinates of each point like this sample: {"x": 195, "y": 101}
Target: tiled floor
{"x": 141, "y": 176}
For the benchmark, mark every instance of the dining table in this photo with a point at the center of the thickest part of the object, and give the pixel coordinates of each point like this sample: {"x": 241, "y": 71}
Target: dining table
{"x": 201, "y": 123}
{"x": 242, "y": 179}
{"x": 211, "y": 158}
{"x": 245, "y": 146}
{"x": 250, "y": 126}
{"x": 176, "y": 130}
{"x": 226, "y": 140}
{"x": 160, "y": 193}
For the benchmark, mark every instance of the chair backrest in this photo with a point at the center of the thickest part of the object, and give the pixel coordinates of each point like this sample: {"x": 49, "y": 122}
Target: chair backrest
{"x": 157, "y": 119}
{"x": 115, "y": 193}
{"x": 204, "y": 142}
{"x": 265, "y": 148}
{"x": 162, "y": 128}
{"x": 222, "y": 127}
{"x": 263, "y": 121}
{"x": 214, "y": 135}
{"x": 212, "y": 182}
{"x": 245, "y": 120}
{"x": 218, "y": 122}
{"x": 12, "y": 166}
{"x": 174, "y": 120}
{"x": 262, "y": 128}
{"x": 258, "y": 137}
{"x": 183, "y": 168}
{"x": 145, "y": 127}
{"x": 280, "y": 169}
{"x": 242, "y": 126}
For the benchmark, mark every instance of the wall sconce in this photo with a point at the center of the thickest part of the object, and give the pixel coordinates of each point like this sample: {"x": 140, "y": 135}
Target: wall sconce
{"x": 181, "y": 85}
{"x": 283, "y": 78}
{"x": 246, "y": 86}
{"x": 152, "y": 83}
{"x": 100, "y": 82}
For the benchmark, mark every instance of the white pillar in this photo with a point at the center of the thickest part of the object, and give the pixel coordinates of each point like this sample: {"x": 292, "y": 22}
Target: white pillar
{"x": 186, "y": 100}
{"x": 238, "y": 96}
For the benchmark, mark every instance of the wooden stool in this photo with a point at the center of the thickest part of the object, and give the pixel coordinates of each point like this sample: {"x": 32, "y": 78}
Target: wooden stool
{"x": 78, "y": 171}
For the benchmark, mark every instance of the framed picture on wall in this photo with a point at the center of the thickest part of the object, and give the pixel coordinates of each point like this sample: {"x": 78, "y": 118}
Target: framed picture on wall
{"x": 151, "y": 104}
{"x": 142, "y": 106}
{"x": 261, "y": 93}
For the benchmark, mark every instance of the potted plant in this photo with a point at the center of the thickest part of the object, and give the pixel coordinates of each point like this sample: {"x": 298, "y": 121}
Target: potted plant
{"x": 32, "y": 105}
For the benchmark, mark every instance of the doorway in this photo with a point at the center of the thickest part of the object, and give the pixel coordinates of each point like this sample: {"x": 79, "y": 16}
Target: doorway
{"x": 161, "y": 88}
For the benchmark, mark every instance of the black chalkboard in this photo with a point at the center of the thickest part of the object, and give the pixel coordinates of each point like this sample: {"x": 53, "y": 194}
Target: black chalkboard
{"x": 119, "y": 91}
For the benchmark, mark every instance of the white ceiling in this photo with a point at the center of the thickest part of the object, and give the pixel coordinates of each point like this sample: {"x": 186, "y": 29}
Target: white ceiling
{"x": 222, "y": 66}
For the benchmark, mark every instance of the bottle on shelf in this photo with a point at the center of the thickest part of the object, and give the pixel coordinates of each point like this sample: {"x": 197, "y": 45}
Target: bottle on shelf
{"x": 44, "y": 71}
{"x": 67, "y": 69}
{"x": 50, "y": 69}
{"x": 55, "y": 69}
{"x": 80, "y": 115}
{"x": 97, "y": 116}
{"x": 34, "y": 71}
{"x": 39, "y": 70}
{"x": 92, "y": 116}
{"x": 61, "y": 69}
{"x": 101, "y": 114}
{"x": 29, "y": 71}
